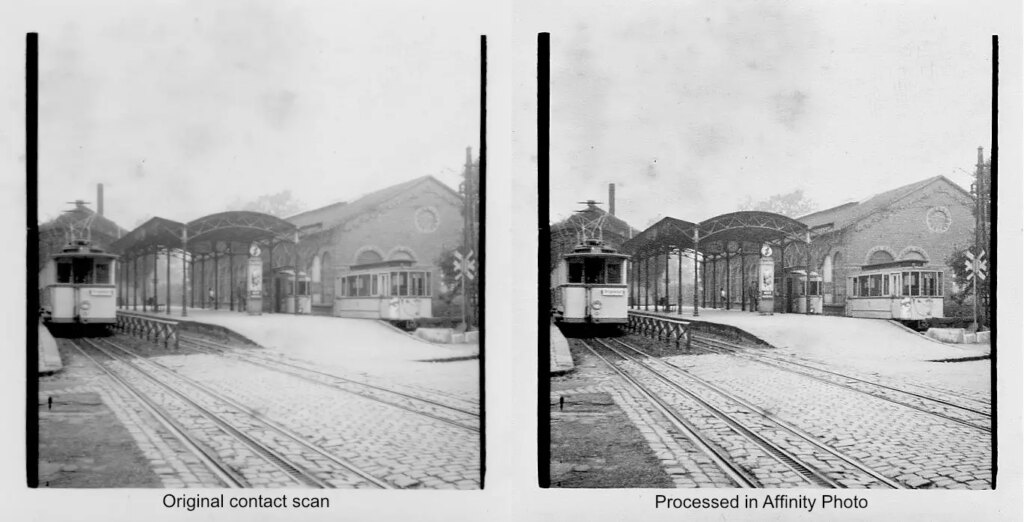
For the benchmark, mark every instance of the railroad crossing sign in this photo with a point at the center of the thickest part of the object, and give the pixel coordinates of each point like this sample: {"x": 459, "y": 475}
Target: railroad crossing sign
{"x": 976, "y": 266}
{"x": 465, "y": 265}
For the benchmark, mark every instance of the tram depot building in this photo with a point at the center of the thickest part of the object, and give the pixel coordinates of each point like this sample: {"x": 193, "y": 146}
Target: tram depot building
{"x": 925, "y": 222}
{"x": 415, "y": 221}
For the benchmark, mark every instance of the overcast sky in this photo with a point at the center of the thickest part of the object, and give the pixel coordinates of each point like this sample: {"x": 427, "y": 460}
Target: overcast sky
{"x": 180, "y": 109}
{"x": 691, "y": 107}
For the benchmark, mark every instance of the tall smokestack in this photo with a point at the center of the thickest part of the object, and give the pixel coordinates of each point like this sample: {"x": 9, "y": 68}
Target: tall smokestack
{"x": 99, "y": 199}
{"x": 611, "y": 198}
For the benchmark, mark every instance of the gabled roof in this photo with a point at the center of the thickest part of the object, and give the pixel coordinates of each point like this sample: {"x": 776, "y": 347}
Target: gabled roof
{"x": 846, "y": 214}
{"x": 336, "y": 214}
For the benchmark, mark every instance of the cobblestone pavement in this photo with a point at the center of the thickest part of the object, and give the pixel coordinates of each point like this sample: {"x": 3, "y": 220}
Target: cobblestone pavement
{"x": 887, "y": 388}
{"x": 682, "y": 461}
{"x": 176, "y": 466}
{"x": 361, "y": 384}
{"x": 914, "y": 448}
{"x": 398, "y": 447}
{"x": 403, "y": 448}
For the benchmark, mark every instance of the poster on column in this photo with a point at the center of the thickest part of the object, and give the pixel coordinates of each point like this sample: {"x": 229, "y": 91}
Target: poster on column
{"x": 255, "y": 279}
{"x": 767, "y": 282}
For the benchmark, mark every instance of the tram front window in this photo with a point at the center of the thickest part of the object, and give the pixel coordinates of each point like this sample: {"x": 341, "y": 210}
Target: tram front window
{"x": 575, "y": 272}
{"x": 82, "y": 271}
{"x": 102, "y": 274}
{"x": 64, "y": 272}
{"x": 614, "y": 273}
{"x": 593, "y": 272}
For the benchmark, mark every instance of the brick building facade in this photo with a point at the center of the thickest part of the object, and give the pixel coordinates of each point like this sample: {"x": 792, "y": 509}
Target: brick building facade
{"x": 927, "y": 220}
{"x": 417, "y": 220}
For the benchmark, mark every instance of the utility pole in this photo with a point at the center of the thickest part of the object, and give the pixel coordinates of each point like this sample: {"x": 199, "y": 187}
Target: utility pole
{"x": 980, "y": 229}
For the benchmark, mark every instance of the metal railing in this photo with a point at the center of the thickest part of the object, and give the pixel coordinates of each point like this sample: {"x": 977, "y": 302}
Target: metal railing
{"x": 661, "y": 327}
{"x": 148, "y": 327}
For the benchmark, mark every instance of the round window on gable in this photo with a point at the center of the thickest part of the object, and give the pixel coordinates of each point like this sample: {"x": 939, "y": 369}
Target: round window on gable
{"x": 427, "y": 219}
{"x": 938, "y": 219}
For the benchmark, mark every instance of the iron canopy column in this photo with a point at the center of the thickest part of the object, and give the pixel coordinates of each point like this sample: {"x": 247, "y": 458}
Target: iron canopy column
{"x": 696, "y": 249}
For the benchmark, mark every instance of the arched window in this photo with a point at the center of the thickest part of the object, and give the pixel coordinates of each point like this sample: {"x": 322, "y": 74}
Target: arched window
{"x": 401, "y": 254}
{"x": 838, "y": 278}
{"x": 368, "y": 256}
{"x": 314, "y": 270}
{"x": 316, "y": 287}
{"x": 327, "y": 276}
{"x": 826, "y": 270}
{"x": 880, "y": 256}
{"x": 913, "y": 253}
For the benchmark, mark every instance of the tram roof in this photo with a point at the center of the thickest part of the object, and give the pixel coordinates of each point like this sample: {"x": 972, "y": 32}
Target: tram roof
{"x": 235, "y": 226}
{"x": 748, "y": 226}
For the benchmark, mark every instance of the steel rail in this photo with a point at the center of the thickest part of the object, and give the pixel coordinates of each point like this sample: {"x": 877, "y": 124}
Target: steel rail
{"x": 221, "y": 470}
{"x": 276, "y": 367}
{"x": 734, "y": 471}
{"x": 778, "y": 363}
{"x": 737, "y": 347}
{"x": 808, "y": 472}
{"x": 778, "y": 422}
{"x": 224, "y": 348}
{"x": 272, "y": 425}
{"x": 295, "y": 471}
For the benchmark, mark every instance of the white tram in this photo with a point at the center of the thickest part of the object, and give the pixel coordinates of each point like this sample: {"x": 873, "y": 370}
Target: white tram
{"x": 77, "y": 286}
{"x": 589, "y": 285}
{"x": 391, "y": 290}
{"x": 902, "y": 290}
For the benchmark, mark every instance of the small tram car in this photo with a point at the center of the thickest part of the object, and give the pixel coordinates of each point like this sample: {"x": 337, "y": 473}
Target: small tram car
{"x": 589, "y": 286}
{"x": 797, "y": 289}
{"x": 393, "y": 290}
{"x": 902, "y": 290}
{"x": 77, "y": 286}
{"x": 286, "y": 288}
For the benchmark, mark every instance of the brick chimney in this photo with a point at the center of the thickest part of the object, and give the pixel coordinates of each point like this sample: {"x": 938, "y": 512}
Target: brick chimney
{"x": 611, "y": 198}
{"x": 99, "y": 199}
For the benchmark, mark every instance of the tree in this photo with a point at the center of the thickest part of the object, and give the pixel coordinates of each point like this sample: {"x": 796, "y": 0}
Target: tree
{"x": 281, "y": 204}
{"x": 792, "y": 204}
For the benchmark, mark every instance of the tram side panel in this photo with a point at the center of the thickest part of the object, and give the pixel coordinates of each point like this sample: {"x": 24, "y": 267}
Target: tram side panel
{"x": 574, "y": 303}
{"x": 609, "y": 305}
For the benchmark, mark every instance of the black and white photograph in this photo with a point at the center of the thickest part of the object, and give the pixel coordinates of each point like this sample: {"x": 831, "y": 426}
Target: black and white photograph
{"x": 770, "y": 256}
{"x": 512, "y": 260}
{"x": 259, "y": 251}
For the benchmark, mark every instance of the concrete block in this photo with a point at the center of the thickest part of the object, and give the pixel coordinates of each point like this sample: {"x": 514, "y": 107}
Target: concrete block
{"x": 984, "y": 337}
{"x": 970, "y": 338}
{"x": 473, "y": 337}
{"x": 947, "y": 335}
{"x": 435, "y": 335}
{"x": 458, "y": 338}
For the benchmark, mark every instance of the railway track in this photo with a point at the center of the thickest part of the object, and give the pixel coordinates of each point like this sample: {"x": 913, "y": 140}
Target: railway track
{"x": 769, "y": 448}
{"x": 441, "y": 408}
{"x": 951, "y": 408}
{"x": 232, "y": 439}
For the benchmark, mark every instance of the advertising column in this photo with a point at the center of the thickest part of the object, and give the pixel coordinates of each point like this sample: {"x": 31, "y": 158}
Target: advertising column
{"x": 254, "y": 282}
{"x": 766, "y": 281}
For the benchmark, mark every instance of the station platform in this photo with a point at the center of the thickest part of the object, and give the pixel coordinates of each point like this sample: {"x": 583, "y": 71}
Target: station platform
{"x": 871, "y": 345}
{"x": 561, "y": 357}
{"x": 363, "y": 345}
{"x": 49, "y": 355}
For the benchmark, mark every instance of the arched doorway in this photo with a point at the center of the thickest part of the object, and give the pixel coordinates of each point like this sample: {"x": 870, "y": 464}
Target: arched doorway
{"x": 827, "y": 279}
